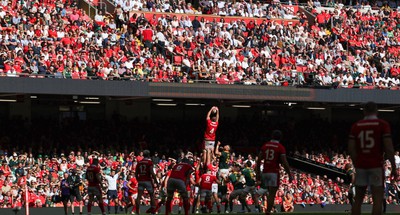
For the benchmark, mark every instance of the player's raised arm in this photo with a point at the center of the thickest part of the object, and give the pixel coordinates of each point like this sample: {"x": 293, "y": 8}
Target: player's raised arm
{"x": 209, "y": 113}
{"x": 208, "y": 157}
{"x": 217, "y": 152}
{"x": 216, "y": 114}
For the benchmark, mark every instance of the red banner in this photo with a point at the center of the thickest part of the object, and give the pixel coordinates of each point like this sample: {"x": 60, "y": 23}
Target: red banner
{"x": 228, "y": 19}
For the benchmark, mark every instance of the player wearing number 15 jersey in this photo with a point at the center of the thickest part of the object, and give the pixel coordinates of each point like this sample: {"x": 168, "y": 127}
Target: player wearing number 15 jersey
{"x": 272, "y": 153}
{"x": 146, "y": 178}
{"x": 369, "y": 139}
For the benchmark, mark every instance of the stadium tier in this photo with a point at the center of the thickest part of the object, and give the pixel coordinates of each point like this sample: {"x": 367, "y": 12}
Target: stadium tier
{"x": 342, "y": 48}
{"x": 130, "y": 101}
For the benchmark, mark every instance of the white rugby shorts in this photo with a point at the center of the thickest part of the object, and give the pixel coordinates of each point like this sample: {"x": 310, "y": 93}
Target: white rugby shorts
{"x": 369, "y": 177}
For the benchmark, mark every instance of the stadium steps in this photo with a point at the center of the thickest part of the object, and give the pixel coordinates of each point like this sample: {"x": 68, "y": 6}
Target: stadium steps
{"x": 314, "y": 167}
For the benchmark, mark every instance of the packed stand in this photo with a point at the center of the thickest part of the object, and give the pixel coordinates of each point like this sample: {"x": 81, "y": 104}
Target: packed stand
{"x": 363, "y": 4}
{"x": 222, "y": 8}
{"x": 372, "y": 41}
{"x": 40, "y": 160}
{"x": 62, "y": 42}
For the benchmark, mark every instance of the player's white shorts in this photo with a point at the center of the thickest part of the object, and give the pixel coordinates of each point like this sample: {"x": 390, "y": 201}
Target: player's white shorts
{"x": 209, "y": 144}
{"x": 369, "y": 177}
{"x": 134, "y": 196}
{"x": 214, "y": 188}
{"x": 177, "y": 185}
{"x": 270, "y": 179}
{"x": 142, "y": 185}
{"x": 250, "y": 189}
{"x": 196, "y": 191}
{"x": 95, "y": 191}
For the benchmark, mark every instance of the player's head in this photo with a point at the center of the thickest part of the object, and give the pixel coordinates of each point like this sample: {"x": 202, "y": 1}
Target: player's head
{"x": 213, "y": 116}
{"x": 236, "y": 167}
{"x": 348, "y": 166}
{"x": 227, "y": 148}
{"x": 276, "y": 135}
{"x": 248, "y": 164}
{"x": 112, "y": 173}
{"x": 189, "y": 155}
{"x": 146, "y": 153}
{"x": 172, "y": 162}
{"x": 370, "y": 108}
{"x": 95, "y": 161}
{"x": 188, "y": 161}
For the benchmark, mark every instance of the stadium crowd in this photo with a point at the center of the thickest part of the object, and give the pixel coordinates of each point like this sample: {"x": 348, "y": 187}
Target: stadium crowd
{"x": 43, "y": 156}
{"x": 344, "y": 48}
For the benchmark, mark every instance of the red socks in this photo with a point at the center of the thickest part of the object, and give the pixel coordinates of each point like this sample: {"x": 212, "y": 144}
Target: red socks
{"x": 186, "y": 206}
{"x": 168, "y": 207}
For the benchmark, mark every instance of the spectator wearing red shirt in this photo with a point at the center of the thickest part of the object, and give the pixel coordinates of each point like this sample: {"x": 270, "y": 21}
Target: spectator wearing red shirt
{"x": 321, "y": 19}
{"x": 5, "y": 168}
{"x": 147, "y": 35}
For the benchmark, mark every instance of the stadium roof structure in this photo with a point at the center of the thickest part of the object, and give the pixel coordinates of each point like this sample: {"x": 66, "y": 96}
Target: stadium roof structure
{"x": 50, "y": 86}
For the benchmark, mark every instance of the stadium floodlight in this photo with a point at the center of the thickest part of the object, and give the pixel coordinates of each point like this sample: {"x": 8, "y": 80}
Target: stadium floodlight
{"x": 33, "y": 97}
{"x": 8, "y": 100}
{"x": 290, "y": 103}
{"x": 316, "y": 108}
{"x": 386, "y": 110}
{"x": 241, "y": 106}
{"x": 193, "y": 104}
{"x": 92, "y": 98}
{"x": 89, "y": 102}
{"x": 162, "y": 100}
{"x": 166, "y": 104}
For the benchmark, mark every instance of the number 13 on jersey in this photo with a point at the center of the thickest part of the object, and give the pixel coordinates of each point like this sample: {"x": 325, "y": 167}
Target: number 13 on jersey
{"x": 269, "y": 154}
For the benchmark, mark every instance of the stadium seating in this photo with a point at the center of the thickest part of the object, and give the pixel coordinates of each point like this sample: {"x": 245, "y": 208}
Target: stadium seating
{"x": 344, "y": 50}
